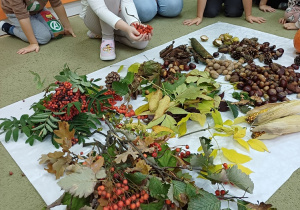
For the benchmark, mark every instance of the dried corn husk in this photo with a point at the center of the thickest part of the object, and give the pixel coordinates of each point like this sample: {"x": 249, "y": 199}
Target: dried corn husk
{"x": 269, "y": 112}
{"x": 285, "y": 125}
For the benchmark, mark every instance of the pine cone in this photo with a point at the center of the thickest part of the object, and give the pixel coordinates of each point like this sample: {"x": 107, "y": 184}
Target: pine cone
{"x": 236, "y": 55}
{"x": 110, "y": 78}
{"x": 297, "y": 60}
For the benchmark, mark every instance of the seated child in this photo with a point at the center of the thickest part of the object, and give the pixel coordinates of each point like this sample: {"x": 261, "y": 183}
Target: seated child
{"x": 233, "y": 8}
{"x": 271, "y": 5}
{"x": 114, "y": 20}
{"x": 148, "y": 9}
{"x": 32, "y": 22}
{"x": 291, "y": 20}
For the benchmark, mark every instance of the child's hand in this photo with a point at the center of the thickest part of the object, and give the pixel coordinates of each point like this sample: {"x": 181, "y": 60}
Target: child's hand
{"x": 69, "y": 31}
{"x": 136, "y": 36}
{"x": 190, "y": 22}
{"x": 28, "y": 49}
{"x": 266, "y": 8}
{"x": 282, "y": 21}
{"x": 290, "y": 26}
{"x": 252, "y": 19}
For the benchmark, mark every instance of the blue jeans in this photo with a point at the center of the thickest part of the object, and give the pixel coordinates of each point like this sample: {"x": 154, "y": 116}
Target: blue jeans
{"x": 148, "y": 9}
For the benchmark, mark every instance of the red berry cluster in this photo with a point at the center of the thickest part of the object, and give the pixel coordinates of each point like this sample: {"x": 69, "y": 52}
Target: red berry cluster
{"x": 142, "y": 117}
{"x": 64, "y": 95}
{"x": 157, "y": 149}
{"x": 220, "y": 192}
{"x": 112, "y": 101}
{"x": 74, "y": 140}
{"x": 143, "y": 29}
{"x": 119, "y": 198}
{"x": 183, "y": 154}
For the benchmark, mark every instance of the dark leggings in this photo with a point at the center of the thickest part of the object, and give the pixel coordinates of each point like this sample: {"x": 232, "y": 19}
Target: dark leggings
{"x": 233, "y": 8}
{"x": 273, "y": 3}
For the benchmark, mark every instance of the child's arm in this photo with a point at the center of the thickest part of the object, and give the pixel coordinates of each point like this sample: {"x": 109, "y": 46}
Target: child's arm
{"x": 200, "y": 10}
{"x": 62, "y": 15}
{"x": 27, "y": 29}
{"x": 248, "y": 10}
{"x": 264, "y": 7}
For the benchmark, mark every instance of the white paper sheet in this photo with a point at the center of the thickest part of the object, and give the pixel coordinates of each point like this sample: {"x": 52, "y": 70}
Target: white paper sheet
{"x": 271, "y": 170}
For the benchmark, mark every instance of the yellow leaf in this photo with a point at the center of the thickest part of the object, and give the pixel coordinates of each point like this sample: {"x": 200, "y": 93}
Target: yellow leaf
{"x": 234, "y": 156}
{"x": 216, "y": 115}
{"x": 154, "y": 100}
{"x": 163, "y": 105}
{"x": 215, "y": 168}
{"x": 143, "y": 167}
{"x": 228, "y": 122}
{"x": 185, "y": 119}
{"x": 243, "y": 143}
{"x": 239, "y": 120}
{"x": 200, "y": 149}
{"x": 214, "y": 153}
{"x": 239, "y": 132}
{"x": 157, "y": 129}
{"x": 198, "y": 117}
{"x": 182, "y": 129}
{"x": 257, "y": 145}
{"x": 221, "y": 134}
{"x": 141, "y": 109}
{"x": 242, "y": 168}
{"x": 224, "y": 129}
{"x": 205, "y": 106}
{"x": 149, "y": 140}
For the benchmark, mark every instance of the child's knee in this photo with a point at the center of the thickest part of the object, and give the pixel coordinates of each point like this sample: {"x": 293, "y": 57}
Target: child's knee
{"x": 43, "y": 38}
{"x": 233, "y": 12}
{"x": 140, "y": 45}
{"x": 146, "y": 10}
{"x": 170, "y": 8}
{"x": 211, "y": 13}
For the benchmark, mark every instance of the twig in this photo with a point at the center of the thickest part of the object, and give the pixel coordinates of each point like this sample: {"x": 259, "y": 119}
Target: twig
{"x": 195, "y": 132}
{"x": 57, "y": 202}
{"x": 132, "y": 16}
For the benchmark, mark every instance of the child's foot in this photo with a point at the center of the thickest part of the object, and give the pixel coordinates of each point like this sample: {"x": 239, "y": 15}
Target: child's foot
{"x": 107, "y": 50}
{"x": 92, "y": 35}
{"x": 6, "y": 27}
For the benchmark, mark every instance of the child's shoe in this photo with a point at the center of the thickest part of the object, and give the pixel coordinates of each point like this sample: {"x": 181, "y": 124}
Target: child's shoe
{"x": 6, "y": 27}
{"x": 107, "y": 50}
{"x": 92, "y": 35}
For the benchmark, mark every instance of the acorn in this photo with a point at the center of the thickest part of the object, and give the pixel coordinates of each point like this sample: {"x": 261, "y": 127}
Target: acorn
{"x": 203, "y": 38}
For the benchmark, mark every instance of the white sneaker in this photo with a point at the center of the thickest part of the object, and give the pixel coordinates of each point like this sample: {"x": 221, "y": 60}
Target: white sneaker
{"x": 92, "y": 35}
{"x": 107, "y": 50}
{"x": 1, "y": 24}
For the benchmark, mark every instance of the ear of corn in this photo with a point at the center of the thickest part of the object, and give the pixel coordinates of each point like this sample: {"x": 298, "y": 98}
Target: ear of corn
{"x": 279, "y": 111}
{"x": 285, "y": 125}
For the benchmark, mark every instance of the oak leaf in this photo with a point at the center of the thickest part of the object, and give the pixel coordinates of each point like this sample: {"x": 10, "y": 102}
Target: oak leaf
{"x": 63, "y": 133}
{"x": 143, "y": 167}
{"x": 123, "y": 157}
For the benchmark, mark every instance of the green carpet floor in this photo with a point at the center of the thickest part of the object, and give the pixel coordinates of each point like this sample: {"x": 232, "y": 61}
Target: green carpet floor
{"x": 81, "y": 53}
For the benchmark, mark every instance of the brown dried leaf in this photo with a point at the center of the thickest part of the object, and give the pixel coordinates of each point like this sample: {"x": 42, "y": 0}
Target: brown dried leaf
{"x": 123, "y": 157}
{"x": 50, "y": 169}
{"x": 143, "y": 167}
{"x": 63, "y": 133}
{"x": 97, "y": 165}
{"x": 44, "y": 159}
{"x": 242, "y": 102}
{"x": 163, "y": 105}
{"x": 60, "y": 167}
{"x": 261, "y": 206}
{"x": 56, "y": 155}
{"x": 72, "y": 168}
{"x": 149, "y": 140}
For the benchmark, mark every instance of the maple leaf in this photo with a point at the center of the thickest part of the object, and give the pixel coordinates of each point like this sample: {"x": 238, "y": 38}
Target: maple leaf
{"x": 64, "y": 134}
{"x": 123, "y": 157}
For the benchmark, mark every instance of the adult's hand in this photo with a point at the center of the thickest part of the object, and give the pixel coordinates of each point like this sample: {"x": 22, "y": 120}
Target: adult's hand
{"x": 253, "y": 19}
{"x": 266, "y": 8}
{"x": 29, "y": 48}
{"x": 190, "y": 22}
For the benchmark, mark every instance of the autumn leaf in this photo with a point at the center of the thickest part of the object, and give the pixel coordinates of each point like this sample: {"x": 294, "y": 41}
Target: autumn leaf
{"x": 257, "y": 145}
{"x": 198, "y": 117}
{"x": 163, "y": 105}
{"x": 157, "y": 129}
{"x": 96, "y": 166}
{"x": 64, "y": 133}
{"x": 243, "y": 143}
{"x": 216, "y": 115}
{"x": 56, "y": 154}
{"x": 239, "y": 120}
{"x": 141, "y": 109}
{"x": 154, "y": 100}
{"x": 123, "y": 157}
{"x": 234, "y": 156}
{"x": 60, "y": 166}
{"x": 50, "y": 168}
{"x": 182, "y": 129}
{"x": 143, "y": 167}
{"x": 261, "y": 206}
{"x": 149, "y": 140}
{"x": 239, "y": 132}
{"x": 242, "y": 168}
{"x": 72, "y": 168}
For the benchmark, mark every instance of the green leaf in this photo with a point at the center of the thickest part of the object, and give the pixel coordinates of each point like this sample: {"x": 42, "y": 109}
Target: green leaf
{"x": 242, "y": 205}
{"x": 191, "y": 191}
{"x": 216, "y": 115}
{"x": 49, "y": 128}
{"x": 205, "y": 201}
{"x": 157, "y": 188}
{"x": 51, "y": 123}
{"x": 38, "y": 127}
{"x": 170, "y": 122}
{"x": 8, "y": 135}
{"x": 180, "y": 191}
{"x": 23, "y": 119}
{"x": 167, "y": 160}
{"x": 233, "y": 108}
{"x": 61, "y": 78}
{"x": 30, "y": 140}
{"x": 136, "y": 178}
{"x": 240, "y": 179}
{"x": 121, "y": 88}
{"x": 153, "y": 205}
{"x": 156, "y": 122}
{"x": 129, "y": 78}
{"x": 26, "y": 130}
{"x": 38, "y": 120}
{"x": 79, "y": 184}
{"x": 77, "y": 105}
{"x": 134, "y": 68}
{"x": 74, "y": 203}
{"x": 200, "y": 161}
{"x": 16, "y": 134}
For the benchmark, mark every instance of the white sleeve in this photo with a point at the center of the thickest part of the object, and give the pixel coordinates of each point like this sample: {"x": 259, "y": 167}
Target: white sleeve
{"x": 101, "y": 10}
{"x": 131, "y": 10}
